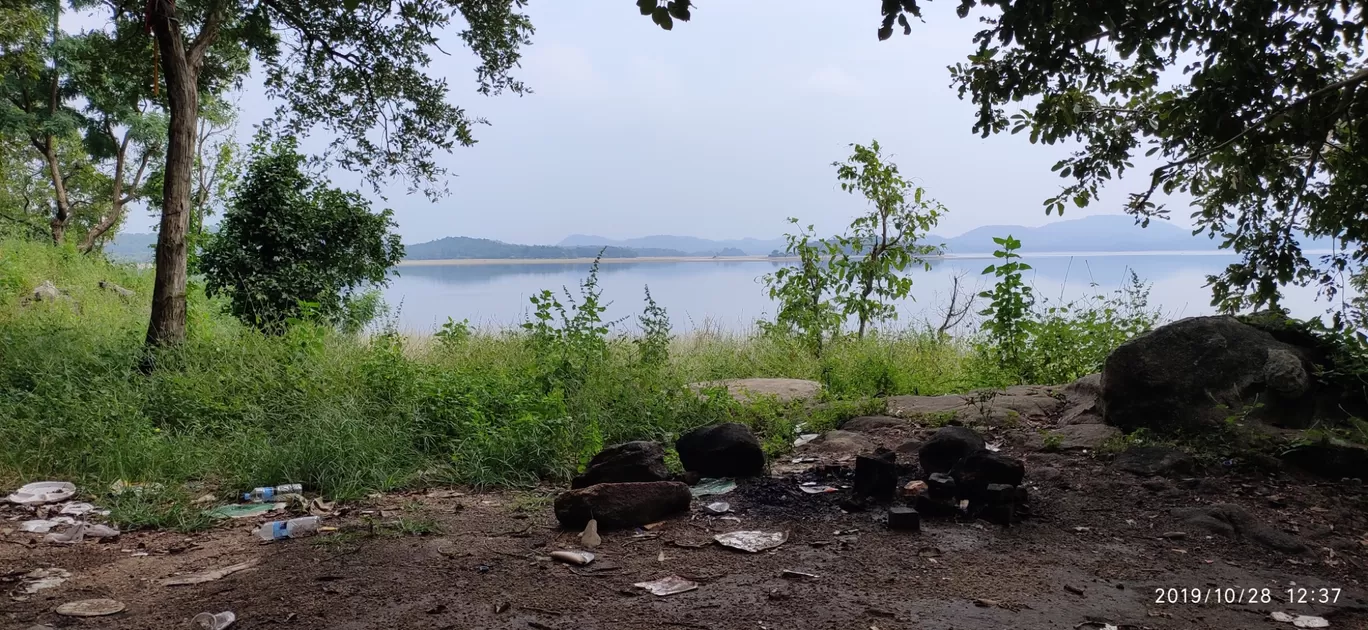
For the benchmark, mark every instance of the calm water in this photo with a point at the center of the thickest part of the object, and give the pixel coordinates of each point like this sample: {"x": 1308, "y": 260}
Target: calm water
{"x": 730, "y": 295}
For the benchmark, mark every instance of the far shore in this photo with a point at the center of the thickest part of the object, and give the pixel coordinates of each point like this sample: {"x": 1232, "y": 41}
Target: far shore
{"x": 715, "y": 259}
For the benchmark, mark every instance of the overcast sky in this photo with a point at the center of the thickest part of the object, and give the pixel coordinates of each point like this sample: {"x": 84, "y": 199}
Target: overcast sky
{"x": 720, "y": 128}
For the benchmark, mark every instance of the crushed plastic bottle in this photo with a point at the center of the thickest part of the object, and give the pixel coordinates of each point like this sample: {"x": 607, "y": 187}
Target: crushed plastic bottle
{"x": 293, "y": 528}
{"x": 264, "y": 494}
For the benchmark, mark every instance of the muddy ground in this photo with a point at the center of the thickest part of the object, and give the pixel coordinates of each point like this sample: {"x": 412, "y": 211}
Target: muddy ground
{"x": 1098, "y": 547}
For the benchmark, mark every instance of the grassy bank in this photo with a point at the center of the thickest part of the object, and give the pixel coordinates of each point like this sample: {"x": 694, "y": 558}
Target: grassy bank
{"x": 233, "y": 408}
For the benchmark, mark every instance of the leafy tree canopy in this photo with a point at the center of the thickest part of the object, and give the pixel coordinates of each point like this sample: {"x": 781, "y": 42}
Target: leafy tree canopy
{"x": 288, "y": 244}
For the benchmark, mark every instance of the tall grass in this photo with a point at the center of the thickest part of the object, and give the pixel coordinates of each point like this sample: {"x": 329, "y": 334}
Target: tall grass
{"x": 232, "y": 408}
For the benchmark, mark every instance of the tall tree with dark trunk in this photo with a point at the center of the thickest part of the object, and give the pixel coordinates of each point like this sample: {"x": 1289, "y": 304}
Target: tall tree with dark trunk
{"x": 357, "y": 69}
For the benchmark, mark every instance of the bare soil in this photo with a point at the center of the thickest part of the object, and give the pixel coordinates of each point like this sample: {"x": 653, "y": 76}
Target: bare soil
{"x": 1094, "y": 550}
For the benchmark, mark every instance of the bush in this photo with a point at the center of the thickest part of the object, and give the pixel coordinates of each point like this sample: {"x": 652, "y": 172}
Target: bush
{"x": 290, "y": 248}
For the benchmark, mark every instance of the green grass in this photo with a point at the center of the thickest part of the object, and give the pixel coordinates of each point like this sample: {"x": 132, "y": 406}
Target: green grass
{"x": 232, "y": 408}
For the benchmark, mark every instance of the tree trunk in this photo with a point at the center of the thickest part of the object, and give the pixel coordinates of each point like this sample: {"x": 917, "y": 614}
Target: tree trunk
{"x": 62, "y": 212}
{"x": 168, "y": 292}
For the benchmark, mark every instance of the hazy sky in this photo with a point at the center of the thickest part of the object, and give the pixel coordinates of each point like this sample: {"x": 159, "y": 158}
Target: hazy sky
{"x": 720, "y": 129}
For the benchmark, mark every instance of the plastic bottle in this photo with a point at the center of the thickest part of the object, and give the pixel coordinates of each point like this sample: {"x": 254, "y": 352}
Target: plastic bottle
{"x": 259, "y": 495}
{"x": 293, "y": 528}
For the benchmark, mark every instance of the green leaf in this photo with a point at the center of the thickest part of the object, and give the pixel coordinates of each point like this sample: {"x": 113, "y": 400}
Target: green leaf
{"x": 647, "y": 7}
{"x": 987, "y": 270}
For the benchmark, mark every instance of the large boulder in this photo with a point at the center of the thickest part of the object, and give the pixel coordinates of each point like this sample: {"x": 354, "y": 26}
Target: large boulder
{"x": 618, "y": 505}
{"x": 721, "y": 450}
{"x": 625, "y": 463}
{"x": 946, "y": 447}
{"x": 1195, "y": 373}
{"x": 983, "y": 468}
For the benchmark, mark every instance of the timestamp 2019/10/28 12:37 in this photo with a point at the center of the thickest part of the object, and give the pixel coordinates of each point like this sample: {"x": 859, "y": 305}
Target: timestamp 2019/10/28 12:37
{"x": 1233, "y": 595}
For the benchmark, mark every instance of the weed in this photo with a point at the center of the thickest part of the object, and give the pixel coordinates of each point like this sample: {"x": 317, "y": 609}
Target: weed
{"x": 1051, "y": 441}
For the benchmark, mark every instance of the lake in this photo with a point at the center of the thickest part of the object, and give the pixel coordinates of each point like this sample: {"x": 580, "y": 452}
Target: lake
{"x": 729, "y": 295}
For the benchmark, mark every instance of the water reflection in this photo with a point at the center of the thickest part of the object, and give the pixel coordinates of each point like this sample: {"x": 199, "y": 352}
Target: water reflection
{"x": 729, "y": 294}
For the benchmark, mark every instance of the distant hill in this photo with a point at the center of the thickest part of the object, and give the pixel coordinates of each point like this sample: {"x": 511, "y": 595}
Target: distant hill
{"x": 464, "y": 247}
{"x": 691, "y": 244}
{"x": 1098, "y": 233}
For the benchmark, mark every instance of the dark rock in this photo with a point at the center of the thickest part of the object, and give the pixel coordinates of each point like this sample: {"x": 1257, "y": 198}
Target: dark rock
{"x": 999, "y": 494}
{"x": 949, "y": 445}
{"x": 1149, "y": 461}
{"x": 904, "y": 519}
{"x": 721, "y": 450}
{"x": 935, "y": 507}
{"x": 688, "y": 478}
{"x": 1049, "y": 475}
{"x": 1232, "y": 520}
{"x": 1194, "y": 373}
{"x": 1157, "y": 484}
{"x": 979, "y": 469}
{"x": 1331, "y": 458}
{"x": 909, "y": 449}
{"x": 870, "y": 423}
{"x": 941, "y": 486}
{"x": 625, "y": 463}
{"x": 877, "y": 476}
{"x": 1083, "y": 401}
{"x": 618, "y": 505}
{"x": 853, "y": 505}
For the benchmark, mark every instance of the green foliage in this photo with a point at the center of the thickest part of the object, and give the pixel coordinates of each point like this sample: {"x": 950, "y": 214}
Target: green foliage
{"x": 1009, "y": 320}
{"x": 453, "y": 334}
{"x": 1041, "y": 342}
{"x": 802, "y": 291}
{"x": 862, "y": 272}
{"x": 288, "y": 241}
{"x": 654, "y": 343}
{"x": 879, "y": 248}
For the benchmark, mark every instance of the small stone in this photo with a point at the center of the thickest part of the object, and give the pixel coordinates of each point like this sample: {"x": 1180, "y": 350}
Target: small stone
{"x": 1175, "y": 535}
{"x": 979, "y": 469}
{"x": 940, "y": 486}
{"x": 904, "y": 519}
{"x": 1073, "y": 589}
{"x": 914, "y": 488}
{"x": 999, "y": 494}
{"x": 936, "y": 508}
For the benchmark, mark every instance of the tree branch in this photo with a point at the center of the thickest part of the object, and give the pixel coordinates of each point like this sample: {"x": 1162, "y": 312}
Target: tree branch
{"x": 207, "y": 35}
{"x": 1158, "y": 173}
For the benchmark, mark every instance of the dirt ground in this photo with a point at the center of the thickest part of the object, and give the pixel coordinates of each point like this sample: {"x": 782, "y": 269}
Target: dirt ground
{"x": 1093, "y": 551}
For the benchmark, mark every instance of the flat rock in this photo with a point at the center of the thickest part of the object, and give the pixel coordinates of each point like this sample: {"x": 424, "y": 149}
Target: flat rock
{"x": 1012, "y": 405}
{"x": 625, "y": 463}
{"x": 619, "y": 505}
{"x": 749, "y": 389}
{"x": 1233, "y": 521}
{"x": 1083, "y": 401}
{"x": 946, "y": 447}
{"x": 840, "y": 443}
{"x": 721, "y": 450}
{"x": 1149, "y": 461}
{"x": 1078, "y": 436}
{"x": 871, "y": 423}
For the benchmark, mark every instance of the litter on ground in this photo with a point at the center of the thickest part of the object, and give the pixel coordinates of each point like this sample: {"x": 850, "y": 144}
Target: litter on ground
{"x": 672, "y": 585}
{"x": 751, "y": 541}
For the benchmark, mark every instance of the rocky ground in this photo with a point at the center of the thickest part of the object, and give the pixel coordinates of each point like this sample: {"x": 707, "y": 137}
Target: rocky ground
{"x": 1146, "y": 539}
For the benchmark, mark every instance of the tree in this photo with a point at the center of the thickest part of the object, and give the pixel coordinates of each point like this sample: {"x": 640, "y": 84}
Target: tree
{"x": 290, "y": 248}
{"x": 802, "y": 291}
{"x": 356, "y": 69}
{"x": 880, "y": 246}
{"x": 1256, "y": 109}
